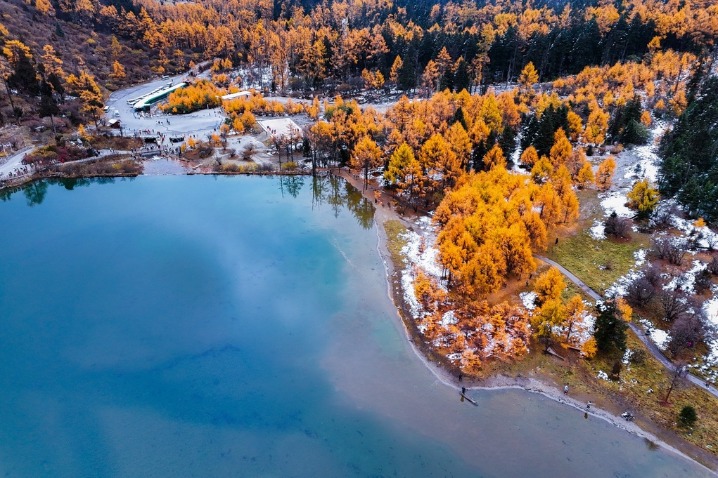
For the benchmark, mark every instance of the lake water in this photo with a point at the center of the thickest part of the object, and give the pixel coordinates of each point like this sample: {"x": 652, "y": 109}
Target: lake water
{"x": 240, "y": 326}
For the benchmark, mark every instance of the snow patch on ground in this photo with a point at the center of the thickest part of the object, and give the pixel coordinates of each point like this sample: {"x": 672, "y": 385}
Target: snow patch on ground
{"x": 710, "y": 307}
{"x": 419, "y": 255}
{"x": 640, "y": 256}
{"x": 703, "y": 236}
{"x": 420, "y": 252}
{"x": 602, "y": 375}
{"x": 627, "y": 356}
{"x": 281, "y": 127}
{"x": 619, "y": 288}
{"x": 658, "y": 336}
{"x": 597, "y": 231}
{"x": 633, "y": 164}
{"x": 448, "y": 319}
{"x": 687, "y": 280}
{"x": 615, "y": 201}
{"x": 584, "y": 329}
{"x": 647, "y": 166}
{"x": 528, "y": 299}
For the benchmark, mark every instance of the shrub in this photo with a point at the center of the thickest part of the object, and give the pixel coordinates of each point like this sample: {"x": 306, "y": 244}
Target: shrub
{"x": 672, "y": 250}
{"x": 617, "y": 226}
{"x": 662, "y": 218}
{"x": 686, "y": 332}
{"x": 638, "y": 357}
{"x": 713, "y": 266}
{"x": 687, "y": 417}
{"x": 703, "y": 281}
{"x": 640, "y": 291}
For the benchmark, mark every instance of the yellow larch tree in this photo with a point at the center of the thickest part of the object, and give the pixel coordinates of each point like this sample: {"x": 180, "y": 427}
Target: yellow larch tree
{"x": 366, "y": 155}
{"x": 561, "y": 150}
{"x": 604, "y": 174}
{"x": 643, "y": 197}
{"x": 549, "y": 286}
{"x": 596, "y": 126}
{"x": 585, "y": 175}
{"x": 458, "y": 140}
{"x": 529, "y": 157}
{"x": 494, "y": 158}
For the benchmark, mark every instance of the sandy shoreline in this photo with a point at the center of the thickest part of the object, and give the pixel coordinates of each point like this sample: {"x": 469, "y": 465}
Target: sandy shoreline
{"x": 674, "y": 445}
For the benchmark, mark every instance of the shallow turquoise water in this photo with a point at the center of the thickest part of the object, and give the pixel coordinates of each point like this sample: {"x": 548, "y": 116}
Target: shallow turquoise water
{"x": 200, "y": 326}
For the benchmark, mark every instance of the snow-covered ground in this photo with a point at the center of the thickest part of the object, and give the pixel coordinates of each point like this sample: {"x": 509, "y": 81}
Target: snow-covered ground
{"x": 658, "y": 336}
{"x": 710, "y": 308}
{"x": 632, "y": 164}
{"x": 280, "y": 127}
{"x": 528, "y": 299}
{"x": 420, "y": 255}
{"x": 687, "y": 280}
{"x": 597, "y": 231}
{"x": 13, "y": 164}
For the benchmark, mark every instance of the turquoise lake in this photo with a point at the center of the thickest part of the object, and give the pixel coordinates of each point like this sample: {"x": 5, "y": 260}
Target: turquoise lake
{"x": 240, "y": 326}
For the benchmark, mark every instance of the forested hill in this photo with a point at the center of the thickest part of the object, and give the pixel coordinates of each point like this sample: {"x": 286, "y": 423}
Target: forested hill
{"x": 333, "y": 46}
{"x": 335, "y": 41}
{"x": 79, "y": 40}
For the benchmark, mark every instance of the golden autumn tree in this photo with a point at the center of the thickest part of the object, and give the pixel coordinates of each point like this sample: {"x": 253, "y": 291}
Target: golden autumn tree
{"x": 51, "y": 62}
{"x": 550, "y": 315}
{"x": 366, "y": 155}
{"x": 404, "y": 172}
{"x": 561, "y": 150}
{"x": 585, "y": 175}
{"x": 596, "y": 126}
{"x": 604, "y": 174}
{"x": 396, "y": 69}
{"x": 529, "y": 76}
{"x": 575, "y": 311}
{"x": 643, "y": 197}
{"x": 494, "y": 158}
{"x": 85, "y": 87}
{"x": 459, "y": 142}
{"x": 440, "y": 164}
{"x": 541, "y": 170}
{"x": 575, "y": 125}
{"x": 529, "y": 157}
{"x": 118, "y": 71}
{"x": 549, "y": 286}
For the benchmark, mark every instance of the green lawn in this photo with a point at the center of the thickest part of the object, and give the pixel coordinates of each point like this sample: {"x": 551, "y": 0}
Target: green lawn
{"x": 599, "y": 263}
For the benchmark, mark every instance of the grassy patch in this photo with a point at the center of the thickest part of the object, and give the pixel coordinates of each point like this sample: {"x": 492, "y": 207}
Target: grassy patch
{"x": 598, "y": 263}
{"x": 395, "y": 241}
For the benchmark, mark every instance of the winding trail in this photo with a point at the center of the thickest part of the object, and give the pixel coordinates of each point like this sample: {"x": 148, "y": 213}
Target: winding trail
{"x": 640, "y": 333}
